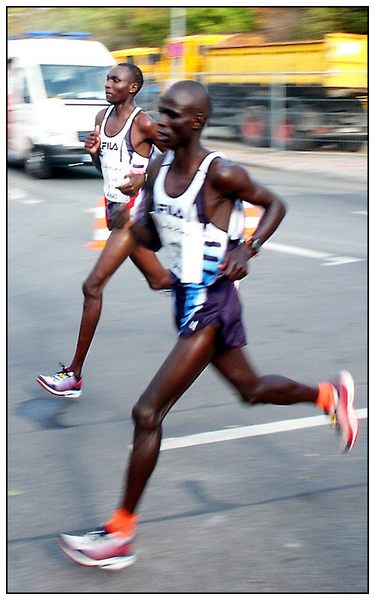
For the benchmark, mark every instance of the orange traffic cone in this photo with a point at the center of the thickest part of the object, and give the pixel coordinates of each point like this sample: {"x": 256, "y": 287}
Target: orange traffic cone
{"x": 101, "y": 232}
{"x": 252, "y": 216}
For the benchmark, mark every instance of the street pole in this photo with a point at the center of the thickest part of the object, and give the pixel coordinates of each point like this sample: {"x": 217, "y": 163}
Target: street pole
{"x": 177, "y": 30}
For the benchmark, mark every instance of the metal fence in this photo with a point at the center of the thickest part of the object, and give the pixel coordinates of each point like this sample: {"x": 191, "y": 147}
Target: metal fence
{"x": 279, "y": 110}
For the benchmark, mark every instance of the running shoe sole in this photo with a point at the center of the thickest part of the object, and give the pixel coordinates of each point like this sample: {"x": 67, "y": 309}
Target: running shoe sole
{"x": 347, "y": 419}
{"x": 113, "y": 563}
{"x": 66, "y": 393}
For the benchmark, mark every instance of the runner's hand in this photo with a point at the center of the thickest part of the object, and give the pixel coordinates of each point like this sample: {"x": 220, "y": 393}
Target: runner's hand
{"x": 92, "y": 141}
{"x": 131, "y": 183}
{"x": 234, "y": 265}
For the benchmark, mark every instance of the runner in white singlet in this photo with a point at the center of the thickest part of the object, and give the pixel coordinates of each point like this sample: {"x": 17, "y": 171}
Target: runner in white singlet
{"x": 120, "y": 149}
{"x": 184, "y": 110}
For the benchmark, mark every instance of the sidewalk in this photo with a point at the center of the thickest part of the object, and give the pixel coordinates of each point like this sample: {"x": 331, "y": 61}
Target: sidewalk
{"x": 351, "y": 166}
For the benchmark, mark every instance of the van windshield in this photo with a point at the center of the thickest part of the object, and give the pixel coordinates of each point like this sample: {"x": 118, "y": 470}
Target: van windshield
{"x": 75, "y": 81}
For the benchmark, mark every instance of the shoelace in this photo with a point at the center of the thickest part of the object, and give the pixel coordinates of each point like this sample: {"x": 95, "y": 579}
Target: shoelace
{"x": 63, "y": 374}
{"x": 102, "y": 536}
{"x": 333, "y": 419}
{"x": 333, "y": 413}
{"x": 96, "y": 533}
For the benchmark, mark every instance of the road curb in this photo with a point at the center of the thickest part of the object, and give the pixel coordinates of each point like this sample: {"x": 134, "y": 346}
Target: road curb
{"x": 328, "y": 165}
{"x": 321, "y": 173}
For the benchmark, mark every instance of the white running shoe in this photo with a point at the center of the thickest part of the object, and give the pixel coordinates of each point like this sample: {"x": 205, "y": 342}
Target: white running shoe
{"x": 63, "y": 383}
{"x": 110, "y": 551}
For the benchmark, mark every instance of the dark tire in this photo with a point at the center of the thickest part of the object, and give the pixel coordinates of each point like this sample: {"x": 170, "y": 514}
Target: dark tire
{"x": 254, "y": 126}
{"x": 349, "y": 113}
{"x": 37, "y": 163}
{"x": 288, "y": 132}
{"x": 350, "y": 145}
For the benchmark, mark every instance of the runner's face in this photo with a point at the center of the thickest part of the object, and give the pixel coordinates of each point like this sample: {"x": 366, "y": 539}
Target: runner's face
{"x": 176, "y": 120}
{"x": 119, "y": 85}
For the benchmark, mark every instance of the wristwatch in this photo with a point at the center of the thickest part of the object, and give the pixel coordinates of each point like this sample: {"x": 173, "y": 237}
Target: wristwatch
{"x": 254, "y": 244}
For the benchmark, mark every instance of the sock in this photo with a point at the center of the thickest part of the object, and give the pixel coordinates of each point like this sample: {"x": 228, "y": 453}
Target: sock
{"x": 326, "y": 396}
{"x": 122, "y": 522}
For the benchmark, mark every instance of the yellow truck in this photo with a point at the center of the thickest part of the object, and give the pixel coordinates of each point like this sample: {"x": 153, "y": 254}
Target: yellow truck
{"x": 180, "y": 57}
{"x": 292, "y": 95}
{"x": 144, "y": 57}
{"x": 184, "y": 57}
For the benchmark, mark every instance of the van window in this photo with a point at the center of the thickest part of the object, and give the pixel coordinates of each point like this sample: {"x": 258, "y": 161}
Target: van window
{"x": 75, "y": 81}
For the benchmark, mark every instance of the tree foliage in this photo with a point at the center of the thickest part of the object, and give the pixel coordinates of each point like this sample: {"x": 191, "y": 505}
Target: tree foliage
{"x": 121, "y": 27}
{"x": 322, "y": 20}
{"x": 220, "y": 20}
{"x": 150, "y": 26}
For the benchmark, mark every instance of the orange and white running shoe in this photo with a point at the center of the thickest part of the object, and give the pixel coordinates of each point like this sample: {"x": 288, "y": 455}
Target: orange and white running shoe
{"x": 343, "y": 415}
{"x": 109, "y": 551}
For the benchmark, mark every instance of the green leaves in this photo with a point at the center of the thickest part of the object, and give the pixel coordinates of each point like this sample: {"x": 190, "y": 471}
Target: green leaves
{"x": 126, "y": 27}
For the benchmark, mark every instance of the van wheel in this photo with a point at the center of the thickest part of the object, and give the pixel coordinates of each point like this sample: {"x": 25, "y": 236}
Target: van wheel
{"x": 37, "y": 163}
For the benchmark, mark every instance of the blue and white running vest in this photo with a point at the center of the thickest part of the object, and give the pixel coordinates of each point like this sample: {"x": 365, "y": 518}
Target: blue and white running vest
{"x": 118, "y": 157}
{"x": 194, "y": 247}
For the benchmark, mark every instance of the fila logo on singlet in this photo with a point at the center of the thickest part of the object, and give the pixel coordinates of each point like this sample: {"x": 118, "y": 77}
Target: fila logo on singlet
{"x": 166, "y": 209}
{"x": 193, "y": 325}
{"x": 109, "y": 146}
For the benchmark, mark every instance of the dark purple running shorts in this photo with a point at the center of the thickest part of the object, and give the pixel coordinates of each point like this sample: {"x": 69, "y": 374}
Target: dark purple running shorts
{"x": 222, "y": 309}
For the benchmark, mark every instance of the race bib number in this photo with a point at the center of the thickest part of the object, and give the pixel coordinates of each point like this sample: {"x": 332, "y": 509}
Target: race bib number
{"x": 113, "y": 176}
{"x": 183, "y": 243}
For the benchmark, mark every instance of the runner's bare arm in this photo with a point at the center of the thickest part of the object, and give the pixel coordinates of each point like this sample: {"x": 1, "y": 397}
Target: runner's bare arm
{"x": 92, "y": 141}
{"x": 144, "y": 229}
{"x": 234, "y": 182}
{"x": 143, "y": 137}
{"x": 147, "y": 128}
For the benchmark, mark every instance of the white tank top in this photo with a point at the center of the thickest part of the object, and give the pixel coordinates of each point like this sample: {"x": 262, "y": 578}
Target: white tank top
{"x": 118, "y": 157}
{"x": 194, "y": 246}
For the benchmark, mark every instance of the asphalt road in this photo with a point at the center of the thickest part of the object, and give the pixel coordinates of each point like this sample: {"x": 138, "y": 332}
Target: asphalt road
{"x": 275, "y": 511}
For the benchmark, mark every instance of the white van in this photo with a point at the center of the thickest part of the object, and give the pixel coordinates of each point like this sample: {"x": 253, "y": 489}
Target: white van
{"x": 55, "y": 89}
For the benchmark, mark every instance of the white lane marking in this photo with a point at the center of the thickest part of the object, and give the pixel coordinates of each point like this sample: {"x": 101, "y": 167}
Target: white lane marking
{"x": 329, "y": 260}
{"x": 359, "y": 212}
{"x": 22, "y": 196}
{"x": 16, "y": 194}
{"x": 223, "y": 435}
{"x": 297, "y": 250}
{"x": 340, "y": 260}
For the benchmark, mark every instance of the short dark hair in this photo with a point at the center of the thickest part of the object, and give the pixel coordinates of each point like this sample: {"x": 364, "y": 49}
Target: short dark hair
{"x": 136, "y": 72}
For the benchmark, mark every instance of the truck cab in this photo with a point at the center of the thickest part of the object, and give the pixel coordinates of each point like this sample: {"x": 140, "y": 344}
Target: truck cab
{"x": 55, "y": 89}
